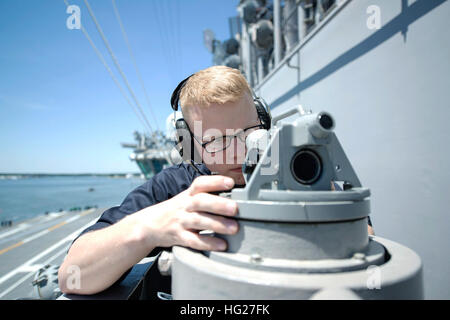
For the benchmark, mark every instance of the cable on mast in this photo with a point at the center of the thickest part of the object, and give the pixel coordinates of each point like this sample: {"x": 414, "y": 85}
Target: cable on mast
{"x": 116, "y": 63}
{"x": 102, "y": 59}
{"x": 116, "y": 11}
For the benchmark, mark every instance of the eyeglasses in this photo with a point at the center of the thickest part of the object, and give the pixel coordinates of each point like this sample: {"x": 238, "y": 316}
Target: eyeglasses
{"x": 221, "y": 143}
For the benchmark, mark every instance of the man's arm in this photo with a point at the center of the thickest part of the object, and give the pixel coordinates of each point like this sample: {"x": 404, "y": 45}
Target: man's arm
{"x": 102, "y": 256}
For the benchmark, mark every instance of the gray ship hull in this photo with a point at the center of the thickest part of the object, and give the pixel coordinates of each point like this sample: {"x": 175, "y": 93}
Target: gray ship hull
{"x": 388, "y": 90}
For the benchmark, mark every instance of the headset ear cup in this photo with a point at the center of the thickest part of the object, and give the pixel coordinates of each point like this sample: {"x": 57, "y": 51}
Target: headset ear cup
{"x": 179, "y": 147}
{"x": 185, "y": 143}
{"x": 263, "y": 113}
{"x": 181, "y": 133}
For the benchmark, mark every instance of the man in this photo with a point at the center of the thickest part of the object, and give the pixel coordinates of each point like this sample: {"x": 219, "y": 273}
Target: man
{"x": 172, "y": 207}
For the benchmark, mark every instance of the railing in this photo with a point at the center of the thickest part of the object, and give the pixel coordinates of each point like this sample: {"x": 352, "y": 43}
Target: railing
{"x": 293, "y": 25}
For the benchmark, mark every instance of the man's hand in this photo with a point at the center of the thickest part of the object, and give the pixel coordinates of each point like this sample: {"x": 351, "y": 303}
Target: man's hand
{"x": 104, "y": 255}
{"x": 177, "y": 221}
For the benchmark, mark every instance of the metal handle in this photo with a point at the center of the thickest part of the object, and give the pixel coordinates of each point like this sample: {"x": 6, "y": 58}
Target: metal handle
{"x": 288, "y": 113}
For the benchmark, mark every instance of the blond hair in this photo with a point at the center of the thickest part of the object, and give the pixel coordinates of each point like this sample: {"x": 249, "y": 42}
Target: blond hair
{"x": 214, "y": 85}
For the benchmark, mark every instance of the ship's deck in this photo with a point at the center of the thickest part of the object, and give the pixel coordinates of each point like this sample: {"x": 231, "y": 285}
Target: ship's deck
{"x": 32, "y": 244}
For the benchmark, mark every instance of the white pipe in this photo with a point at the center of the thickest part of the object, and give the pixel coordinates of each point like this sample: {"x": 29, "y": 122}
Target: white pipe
{"x": 277, "y": 31}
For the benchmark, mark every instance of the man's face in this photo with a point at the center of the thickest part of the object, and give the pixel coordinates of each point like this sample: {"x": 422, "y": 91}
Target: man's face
{"x": 215, "y": 121}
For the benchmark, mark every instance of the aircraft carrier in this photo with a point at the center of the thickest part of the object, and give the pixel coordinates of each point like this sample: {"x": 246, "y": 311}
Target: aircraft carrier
{"x": 152, "y": 153}
{"x": 28, "y": 246}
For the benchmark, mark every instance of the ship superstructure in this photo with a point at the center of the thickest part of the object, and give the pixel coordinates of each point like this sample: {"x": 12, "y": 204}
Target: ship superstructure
{"x": 151, "y": 153}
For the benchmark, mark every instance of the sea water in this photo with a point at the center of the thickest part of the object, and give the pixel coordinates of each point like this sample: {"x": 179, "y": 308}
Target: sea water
{"x": 25, "y": 198}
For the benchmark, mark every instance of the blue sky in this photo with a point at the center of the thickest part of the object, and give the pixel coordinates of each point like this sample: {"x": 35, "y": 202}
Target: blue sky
{"x": 60, "y": 112}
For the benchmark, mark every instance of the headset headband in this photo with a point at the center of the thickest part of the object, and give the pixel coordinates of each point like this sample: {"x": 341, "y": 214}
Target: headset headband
{"x": 175, "y": 99}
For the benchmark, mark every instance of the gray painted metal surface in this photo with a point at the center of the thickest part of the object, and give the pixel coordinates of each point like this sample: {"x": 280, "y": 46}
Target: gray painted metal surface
{"x": 209, "y": 279}
{"x": 299, "y": 241}
{"x": 284, "y": 252}
{"x": 388, "y": 91}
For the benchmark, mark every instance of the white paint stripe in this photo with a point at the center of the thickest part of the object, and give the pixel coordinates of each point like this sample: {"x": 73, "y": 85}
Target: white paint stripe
{"x": 4, "y": 293}
{"x": 57, "y": 214}
{"x": 39, "y": 234}
{"x": 21, "y": 280}
{"x": 31, "y": 268}
{"x": 35, "y": 236}
{"x": 73, "y": 219}
{"x": 17, "y": 229}
{"x": 50, "y": 249}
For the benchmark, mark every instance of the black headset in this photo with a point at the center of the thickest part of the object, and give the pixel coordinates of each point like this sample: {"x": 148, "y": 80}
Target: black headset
{"x": 262, "y": 109}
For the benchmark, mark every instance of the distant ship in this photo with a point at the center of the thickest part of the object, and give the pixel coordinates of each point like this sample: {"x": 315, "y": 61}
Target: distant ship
{"x": 155, "y": 152}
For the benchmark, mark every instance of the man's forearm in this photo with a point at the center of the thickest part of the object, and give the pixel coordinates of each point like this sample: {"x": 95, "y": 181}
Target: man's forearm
{"x": 102, "y": 256}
